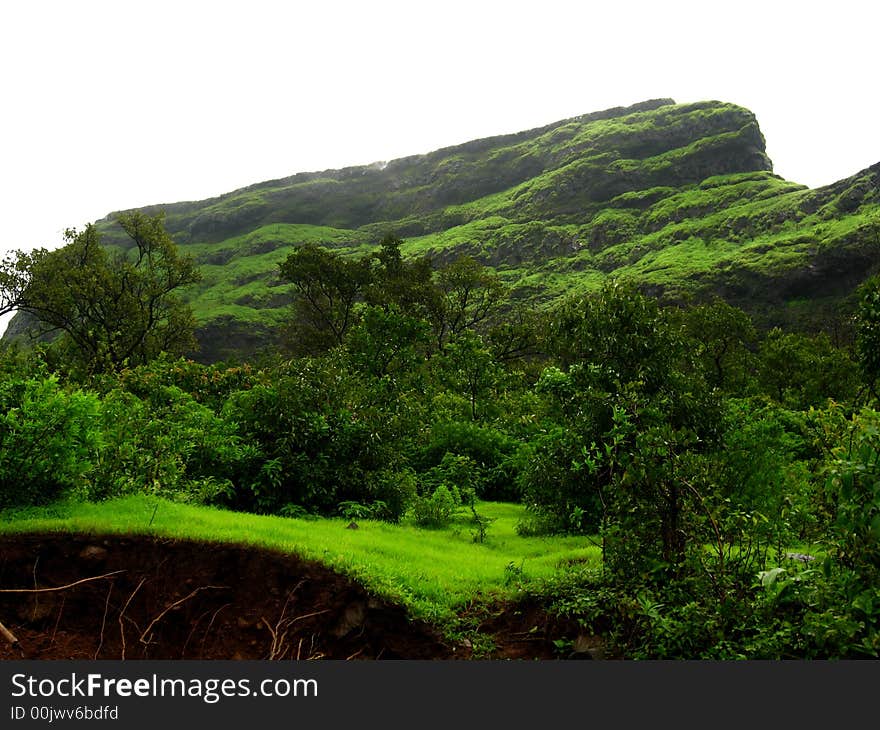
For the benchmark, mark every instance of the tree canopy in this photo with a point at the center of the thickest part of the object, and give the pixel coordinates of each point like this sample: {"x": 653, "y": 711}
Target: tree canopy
{"x": 112, "y": 309}
{"x": 455, "y": 298}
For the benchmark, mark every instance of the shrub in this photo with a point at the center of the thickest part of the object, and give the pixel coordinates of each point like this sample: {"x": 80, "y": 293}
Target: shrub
{"x": 392, "y": 493}
{"x": 854, "y": 484}
{"x": 320, "y": 444}
{"x": 494, "y": 454}
{"x": 868, "y": 334}
{"x": 209, "y": 385}
{"x": 436, "y": 509}
{"x": 801, "y": 371}
{"x": 48, "y": 437}
{"x": 560, "y": 486}
{"x": 456, "y": 472}
{"x": 762, "y": 466}
{"x": 170, "y": 445}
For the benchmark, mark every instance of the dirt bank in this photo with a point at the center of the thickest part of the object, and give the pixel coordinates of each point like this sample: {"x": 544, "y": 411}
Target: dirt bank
{"x": 170, "y": 599}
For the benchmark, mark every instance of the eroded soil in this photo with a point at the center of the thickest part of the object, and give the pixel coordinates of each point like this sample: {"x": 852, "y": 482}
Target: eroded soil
{"x": 154, "y": 598}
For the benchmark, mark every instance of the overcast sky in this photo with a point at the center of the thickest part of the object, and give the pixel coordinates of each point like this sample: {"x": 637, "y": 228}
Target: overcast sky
{"x": 119, "y": 104}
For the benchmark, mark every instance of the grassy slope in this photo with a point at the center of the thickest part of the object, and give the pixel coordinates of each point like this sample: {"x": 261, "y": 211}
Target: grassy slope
{"x": 433, "y": 572}
{"x": 678, "y": 197}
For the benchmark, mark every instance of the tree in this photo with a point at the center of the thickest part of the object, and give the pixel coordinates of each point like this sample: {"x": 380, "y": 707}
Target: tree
{"x": 407, "y": 285}
{"x": 14, "y": 276}
{"x": 802, "y": 371}
{"x": 622, "y": 336}
{"x": 458, "y": 297}
{"x": 112, "y": 309}
{"x": 328, "y": 287}
{"x": 469, "y": 294}
{"x": 868, "y": 334}
{"x": 469, "y": 369}
{"x": 724, "y": 337}
{"x": 386, "y": 343}
{"x": 517, "y": 336}
{"x": 636, "y": 422}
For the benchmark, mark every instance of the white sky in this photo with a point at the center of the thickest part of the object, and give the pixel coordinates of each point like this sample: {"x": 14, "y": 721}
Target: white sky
{"x": 107, "y": 105}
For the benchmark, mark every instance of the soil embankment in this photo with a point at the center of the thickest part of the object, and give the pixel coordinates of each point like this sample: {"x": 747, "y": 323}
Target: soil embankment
{"x": 134, "y": 597}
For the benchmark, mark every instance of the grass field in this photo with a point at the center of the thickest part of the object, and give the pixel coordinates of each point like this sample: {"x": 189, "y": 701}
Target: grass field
{"x": 434, "y": 573}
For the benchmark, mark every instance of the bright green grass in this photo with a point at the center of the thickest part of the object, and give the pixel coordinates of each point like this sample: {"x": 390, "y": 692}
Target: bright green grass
{"x": 434, "y": 573}
{"x": 466, "y": 234}
{"x": 240, "y": 269}
{"x": 287, "y": 234}
{"x": 677, "y": 256}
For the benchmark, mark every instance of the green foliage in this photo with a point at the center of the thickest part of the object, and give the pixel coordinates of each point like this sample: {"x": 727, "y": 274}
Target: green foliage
{"x": 437, "y": 508}
{"x": 352, "y": 511}
{"x": 468, "y": 296}
{"x": 496, "y": 456}
{"x": 452, "y": 484}
{"x": 48, "y": 439}
{"x": 459, "y": 473}
{"x": 113, "y": 310}
{"x": 868, "y": 334}
{"x": 855, "y": 486}
{"x": 325, "y": 444}
{"x": 724, "y": 337}
{"x": 328, "y": 286}
{"x": 650, "y": 524}
{"x": 404, "y": 284}
{"x": 634, "y": 419}
{"x": 387, "y": 344}
{"x": 620, "y": 334}
{"x": 392, "y": 491}
{"x": 210, "y": 385}
{"x": 481, "y": 522}
{"x": 802, "y": 371}
{"x": 804, "y": 606}
{"x": 764, "y": 467}
{"x": 15, "y": 273}
{"x": 562, "y": 485}
{"x": 166, "y": 443}
{"x": 516, "y": 337}
{"x": 468, "y": 369}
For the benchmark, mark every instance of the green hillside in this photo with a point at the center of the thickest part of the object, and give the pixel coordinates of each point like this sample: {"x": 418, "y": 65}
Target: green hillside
{"x": 680, "y": 197}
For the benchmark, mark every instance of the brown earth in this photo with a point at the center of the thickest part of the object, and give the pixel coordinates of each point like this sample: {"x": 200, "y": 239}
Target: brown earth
{"x": 172, "y": 599}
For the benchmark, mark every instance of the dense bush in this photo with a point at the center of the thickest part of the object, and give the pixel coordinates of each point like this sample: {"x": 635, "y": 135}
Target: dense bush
{"x": 322, "y": 444}
{"x": 48, "y": 439}
{"x": 763, "y": 466}
{"x": 560, "y": 486}
{"x": 437, "y": 508}
{"x": 800, "y": 371}
{"x": 819, "y": 606}
{"x": 854, "y": 484}
{"x": 209, "y": 385}
{"x": 868, "y": 335}
{"x": 170, "y": 445}
{"x": 496, "y": 456}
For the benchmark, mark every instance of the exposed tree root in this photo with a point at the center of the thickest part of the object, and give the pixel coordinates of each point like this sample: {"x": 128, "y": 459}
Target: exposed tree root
{"x": 60, "y": 588}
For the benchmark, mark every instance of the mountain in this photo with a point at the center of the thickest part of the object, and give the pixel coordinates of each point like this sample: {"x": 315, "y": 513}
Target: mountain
{"x": 679, "y": 197}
